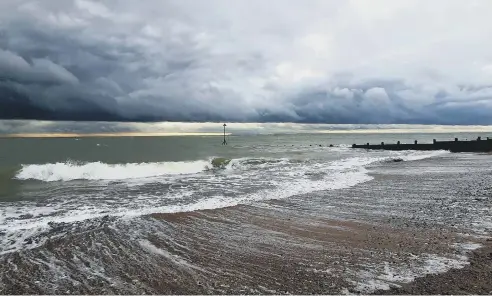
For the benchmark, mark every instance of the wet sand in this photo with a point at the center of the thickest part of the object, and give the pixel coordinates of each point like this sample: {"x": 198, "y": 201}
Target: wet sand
{"x": 320, "y": 257}
{"x": 475, "y": 278}
{"x": 237, "y": 250}
{"x": 380, "y": 234}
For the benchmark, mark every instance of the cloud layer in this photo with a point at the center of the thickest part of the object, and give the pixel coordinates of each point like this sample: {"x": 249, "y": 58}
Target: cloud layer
{"x": 354, "y": 62}
{"x": 47, "y": 128}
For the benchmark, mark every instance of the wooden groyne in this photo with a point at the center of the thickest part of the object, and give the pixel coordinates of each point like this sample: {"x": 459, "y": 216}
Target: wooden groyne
{"x": 478, "y": 145}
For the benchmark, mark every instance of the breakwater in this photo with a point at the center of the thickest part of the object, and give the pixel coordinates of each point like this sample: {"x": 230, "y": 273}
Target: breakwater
{"x": 478, "y": 145}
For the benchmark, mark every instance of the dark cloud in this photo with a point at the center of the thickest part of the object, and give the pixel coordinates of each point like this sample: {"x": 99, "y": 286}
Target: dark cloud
{"x": 182, "y": 61}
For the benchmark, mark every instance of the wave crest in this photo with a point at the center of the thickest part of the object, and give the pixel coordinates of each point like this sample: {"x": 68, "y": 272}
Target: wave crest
{"x": 67, "y": 171}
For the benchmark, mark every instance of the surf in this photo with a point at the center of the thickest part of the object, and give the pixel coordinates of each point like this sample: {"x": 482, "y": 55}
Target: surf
{"x": 71, "y": 170}
{"x": 68, "y": 171}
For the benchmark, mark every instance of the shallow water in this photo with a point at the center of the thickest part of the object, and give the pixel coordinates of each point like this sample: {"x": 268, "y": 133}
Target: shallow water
{"x": 80, "y": 187}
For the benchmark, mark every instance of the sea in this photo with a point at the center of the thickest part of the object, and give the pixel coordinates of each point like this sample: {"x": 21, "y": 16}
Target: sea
{"x": 264, "y": 214}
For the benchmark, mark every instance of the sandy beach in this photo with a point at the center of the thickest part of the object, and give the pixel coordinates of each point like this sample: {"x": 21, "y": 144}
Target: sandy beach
{"x": 475, "y": 278}
{"x": 419, "y": 226}
{"x": 247, "y": 250}
{"x": 180, "y": 147}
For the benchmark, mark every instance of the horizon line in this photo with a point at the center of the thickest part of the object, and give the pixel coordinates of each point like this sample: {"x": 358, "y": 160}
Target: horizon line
{"x": 96, "y": 135}
{"x": 217, "y": 134}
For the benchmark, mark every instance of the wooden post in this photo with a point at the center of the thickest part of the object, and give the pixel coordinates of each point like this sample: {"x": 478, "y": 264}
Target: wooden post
{"x": 225, "y": 142}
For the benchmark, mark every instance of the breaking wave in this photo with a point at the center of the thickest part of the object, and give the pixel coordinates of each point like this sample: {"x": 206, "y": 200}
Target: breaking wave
{"x": 203, "y": 184}
{"x": 67, "y": 171}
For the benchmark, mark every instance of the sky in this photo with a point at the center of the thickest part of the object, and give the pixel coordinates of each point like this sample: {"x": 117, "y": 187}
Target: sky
{"x": 276, "y": 61}
{"x": 43, "y": 128}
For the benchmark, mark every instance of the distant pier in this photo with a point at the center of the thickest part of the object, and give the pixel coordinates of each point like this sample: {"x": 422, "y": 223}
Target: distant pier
{"x": 478, "y": 145}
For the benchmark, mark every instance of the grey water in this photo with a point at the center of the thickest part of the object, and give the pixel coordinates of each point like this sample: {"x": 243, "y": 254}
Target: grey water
{"x": 17, "y": 151}
{"x": 63, "y": 177}
{"x": 58, "y": 187}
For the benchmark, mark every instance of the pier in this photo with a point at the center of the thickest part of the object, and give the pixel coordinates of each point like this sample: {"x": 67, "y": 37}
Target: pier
{"x": 478, "y": 145}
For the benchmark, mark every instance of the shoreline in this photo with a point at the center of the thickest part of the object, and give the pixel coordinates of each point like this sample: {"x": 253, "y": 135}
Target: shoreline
{"x": 242, "y": 250}
{"x": 356, "y": 240}
{"x": 474, "y": 278}
{"x": 352, "y": 241}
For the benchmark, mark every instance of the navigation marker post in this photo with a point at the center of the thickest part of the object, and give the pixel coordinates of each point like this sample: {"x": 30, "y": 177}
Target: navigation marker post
{"x": 225, "y": 142}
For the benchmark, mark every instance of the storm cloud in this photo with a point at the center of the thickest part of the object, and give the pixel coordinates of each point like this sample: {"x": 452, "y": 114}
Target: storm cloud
{"x": 351, "y": 62}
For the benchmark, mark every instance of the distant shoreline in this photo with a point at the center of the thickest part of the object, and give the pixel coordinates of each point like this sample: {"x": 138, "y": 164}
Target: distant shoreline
{"x": 219, "y": 134}
{"x": 100, "y": 135}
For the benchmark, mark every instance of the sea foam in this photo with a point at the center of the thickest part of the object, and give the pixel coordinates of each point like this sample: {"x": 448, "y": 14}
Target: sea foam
{"x": 67, "y": 171}
{"x": 263, "y": 178}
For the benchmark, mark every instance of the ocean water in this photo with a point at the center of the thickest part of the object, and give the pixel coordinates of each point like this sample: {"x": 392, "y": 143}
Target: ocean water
{"x": 55, "y": 188}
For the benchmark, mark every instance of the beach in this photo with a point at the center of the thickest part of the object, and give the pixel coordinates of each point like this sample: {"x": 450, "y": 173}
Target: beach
{"x": 472, "y": 279}
{"x": 180, "y": 147}
{"x": 363, "y": 223}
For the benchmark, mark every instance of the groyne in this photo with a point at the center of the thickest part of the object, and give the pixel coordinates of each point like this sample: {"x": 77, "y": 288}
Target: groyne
{"x": 478, "y": 145}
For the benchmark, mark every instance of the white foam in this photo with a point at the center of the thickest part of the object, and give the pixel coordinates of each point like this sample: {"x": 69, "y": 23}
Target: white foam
{"x": 419, "y": 155}
{"x": 437, "y": 264}
{"x": 354, "y": 162}
{"x": 76, "y": 208}
{"x": 368, "y": 281}
{"x": 177, "y": 260}
{"x": 279, "y": 179}
{"x": 18, "y": 232}
{"x": 470, "y": 246}
{"x": 301, "y": 186}
{"x": 66, "y": 171}
{"x": 483, "y": 225}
